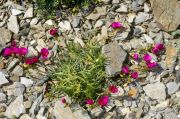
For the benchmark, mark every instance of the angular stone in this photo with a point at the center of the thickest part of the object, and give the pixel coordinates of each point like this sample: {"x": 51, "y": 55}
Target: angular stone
{"x": 170, "y": 115}
{"x": 5, "y": 37}
{"x": 16, "y": 108}
{"x": 62, "y": 112}
{"x": 12, "y": 64}
{"x": 115, "y": 56}
{"x": 76, "y": 22}
{"x": 28, "y": 13}
{"x": 166, "y": 13}
{"x": 172, "y": 87}
{"x": 26, "y": 81}
{"x": 155, "y": 91}
{"x": 3, "y": 98}
{"x": 99, "y": 23}
{"x": 25, "y": 116}
{"x": 13, "y": 24}
{"x": 18, "y": 71}
{"x": 3, "y": 79}
{"x": 142, "y": 17}
{"x": 65, "y": 25}
{"x": 123, "y": 9}
{"x": 101, "y": 11}
{"x": 16, "y": 12}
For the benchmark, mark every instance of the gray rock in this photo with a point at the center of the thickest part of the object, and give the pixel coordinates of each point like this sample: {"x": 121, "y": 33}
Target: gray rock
{"x": 116, "y": 56}
{"x": 26, "y": 81}
{"x": 170, "y": 115}
{"x": 31, "y": 52}
{"x": 115, "y": 1}
{"x": 127, "y": 103}
{"x": 166, "y": 13}
{"x": 155, "y": 91}
{"x": 62, "y": 112}
{"x": 3, "y": 80}
{"x": 5, "y": 37}
{"x": 25, "y": 116}
{"x": 101, "y": 11}
{"x": 13, "y": 24}
{"x": 121, "y": 36}
{"x": 123, "y": 9}
{"x": 99, "y": 23}
{"x": 12, "y": 64}
{"x": 3, "y": 98}
{"x": 16, "y": 12}
{"x": 19, "y": 89}
{"x": 18, "y": 71}
{"x": 76, "y": 21}
{"x": 65, "y": 25}
{"x": 172, "y": 87}
{"x": 36, "y": 106}
{"x": 28, "y": 13}
{"x": 16, "y": 108}
{"x": 142, "y": 17}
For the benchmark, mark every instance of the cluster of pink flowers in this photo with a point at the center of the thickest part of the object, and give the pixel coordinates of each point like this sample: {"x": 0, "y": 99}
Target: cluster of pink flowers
{"x": 53, "y": 31}
{"x": 22, "y": 51}
{"x": 125, "y": 70}
{"x": 148, "y": 59}
{"x": 157, "y": 48}
{"x": 116, "y": 25}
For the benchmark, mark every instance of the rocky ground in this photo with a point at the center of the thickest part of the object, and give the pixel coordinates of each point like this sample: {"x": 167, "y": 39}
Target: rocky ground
{"x": 146, "y": 22}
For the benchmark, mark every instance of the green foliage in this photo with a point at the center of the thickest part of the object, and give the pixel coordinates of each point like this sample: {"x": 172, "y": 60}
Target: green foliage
{"x": 80, "y": 73}
{"x": 48, "y": 8}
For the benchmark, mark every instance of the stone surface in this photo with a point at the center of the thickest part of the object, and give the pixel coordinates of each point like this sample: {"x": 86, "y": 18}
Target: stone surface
{"x": 16, "y": 12}
{"x": 5, "y": 37}
{"x": 123, "y": 9}
{"x": 12, "y": 64}
{"x": 155, "y": 91}
{"x": 65, "y": 25}
{"x": 166, "y": 13}
{"x": 25, "y": 116}
{"x": 101, "y": 11}
{"x": 3, "y": 98}
{"x": 142, "y": 17}
{"x": 60, "y": 111}
{"x": 115, "y": 55}
{"x": 3, "y": 79}
{"x": 28, "y": 13}
{"x": 13, "y": 24}
{"x": 172, "y": 87}
{"x": 26, "y": 81}
{"x": 76, "y": 22}
{"x": 18, "y": 71}
{"x": 15, "y": 108}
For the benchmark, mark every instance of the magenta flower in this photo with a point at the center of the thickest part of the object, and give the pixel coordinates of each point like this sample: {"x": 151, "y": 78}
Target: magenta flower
{"x": 23, "y": 51}
{"x": 155, "y": 50}
{"x": 136, "y": 56}
{"x": 147, "y": 57}
{"x": 151, "y": 64}
{"x": 134, "y": 75}
{"x": 44, "y": 53}
{"x": 32, "y": 60}
{"x": 125, "y": 69}
{"x": 103, "y": 101}
{"x": 53, "y": 31}
{"x": 7, "y": 52}
{"x": 116, "y": 25}
{"x": 89, "y": 101}
{"x": 63, "y": 100}
{"x": 113, "y": 89}
{"x": 15, "y": 50}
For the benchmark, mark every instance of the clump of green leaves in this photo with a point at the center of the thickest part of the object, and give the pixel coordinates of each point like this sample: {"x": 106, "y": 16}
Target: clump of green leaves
{"x": 49, "y": 8}
{"x": 80, "y": 73}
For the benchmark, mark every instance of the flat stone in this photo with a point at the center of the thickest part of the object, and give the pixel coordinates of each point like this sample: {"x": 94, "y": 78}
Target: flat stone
{"x": 142, "y": 17}
{"x": 32, "y": 52}
{"x": 3, "y": 80}
{"x": 36, "y": 106}
{"x": 171, "y": 55}
{"x": 170, "y": 115}
{"x": 5, "y": 37}
{"x": 76, "y": 21}
{"x": 18, "y": 71}
{"x": 155, "y": 91}
{"x": 172, "y": 87}
{"x": 3, "y": 98}
{"x": 25, "y": 116}
{"x": 115, "y": 56}
{"x": 98, "y": 24}
{"x": 123, "y": 9}
{"x": 26, "y": 81}
{"x": 41, "y": 44}
{"x": 12, "y": 64}
{"x": 101, "y": 11}
{"x": 130, "y": 17}
{"x": 13, "y": 24}
{"x": 148, "y": 39}
{"x": 49, "y": 22}
{"x": 166, "y": 13}
{"x": 28, "y": 13}
{"x": 65, "y": 25}
{"x": 16, "y": 108}
{"x": 62, "y": 112}
{"x": 16, "y": 12}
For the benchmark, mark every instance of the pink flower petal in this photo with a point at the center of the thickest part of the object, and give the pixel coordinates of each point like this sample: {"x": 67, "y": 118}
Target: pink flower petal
{"x": 113, "y": 89}
{"x": 116, "y": 25}
{"x": 103, "y": 101}
{"x": 89, "y": 101}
